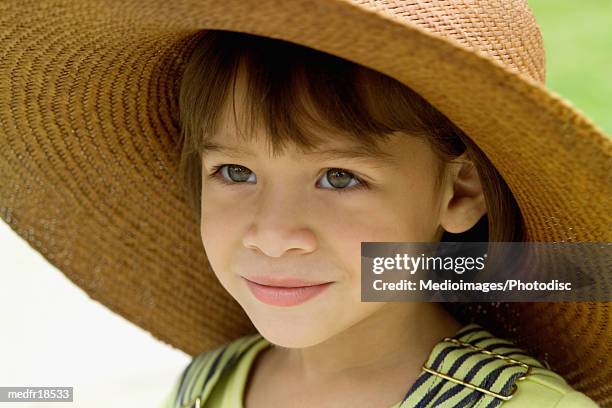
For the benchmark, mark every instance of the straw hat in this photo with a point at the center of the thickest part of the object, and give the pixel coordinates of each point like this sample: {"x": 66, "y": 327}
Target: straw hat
{"x": 89, "y": 154}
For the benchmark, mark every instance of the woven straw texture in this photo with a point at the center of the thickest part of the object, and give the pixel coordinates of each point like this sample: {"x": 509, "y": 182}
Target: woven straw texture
{"x": 89, "y": 154}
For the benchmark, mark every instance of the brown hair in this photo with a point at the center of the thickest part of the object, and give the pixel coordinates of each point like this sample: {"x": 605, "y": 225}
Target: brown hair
{"x": 363, "y": 104}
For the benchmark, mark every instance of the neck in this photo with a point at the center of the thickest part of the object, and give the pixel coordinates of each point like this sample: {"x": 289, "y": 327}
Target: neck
{"x": 398, "y": 335}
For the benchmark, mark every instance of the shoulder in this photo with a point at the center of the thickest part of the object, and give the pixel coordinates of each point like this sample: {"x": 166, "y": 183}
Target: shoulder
{"x": 479, "y": 361}
{"x": 204, "y": 370}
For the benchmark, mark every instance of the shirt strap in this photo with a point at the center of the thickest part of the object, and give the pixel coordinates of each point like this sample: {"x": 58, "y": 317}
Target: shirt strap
{"x": 472, "y": 367}
{"x": 205, "y": 370}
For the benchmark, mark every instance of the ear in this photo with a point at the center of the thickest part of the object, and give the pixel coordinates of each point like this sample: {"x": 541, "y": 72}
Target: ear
{"x": 463, "y": 202}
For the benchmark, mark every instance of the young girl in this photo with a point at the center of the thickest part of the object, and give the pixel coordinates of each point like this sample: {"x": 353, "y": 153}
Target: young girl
{"x": 209, "y": 170}
{"x": 294, "y": 158}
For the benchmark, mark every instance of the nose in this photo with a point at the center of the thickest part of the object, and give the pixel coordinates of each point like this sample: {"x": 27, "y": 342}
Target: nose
{"x": 279, "y": 225}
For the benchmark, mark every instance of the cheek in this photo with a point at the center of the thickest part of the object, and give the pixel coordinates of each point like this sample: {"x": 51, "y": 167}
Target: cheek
{"x": 341, "y": 231}
{"x": 219, "y": 231}
{"x": 414, "y": 207}
{"x": 395, "y": 216}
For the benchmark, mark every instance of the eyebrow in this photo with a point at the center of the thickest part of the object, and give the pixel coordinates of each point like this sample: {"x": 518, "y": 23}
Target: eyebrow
{"x": 358, "y": 152}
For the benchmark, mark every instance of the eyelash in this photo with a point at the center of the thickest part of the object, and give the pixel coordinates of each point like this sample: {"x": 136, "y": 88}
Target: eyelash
{"x": 214, "y": 175}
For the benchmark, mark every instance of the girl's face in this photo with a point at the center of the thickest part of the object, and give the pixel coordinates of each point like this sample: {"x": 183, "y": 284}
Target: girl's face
{"x": 289, "y": 217}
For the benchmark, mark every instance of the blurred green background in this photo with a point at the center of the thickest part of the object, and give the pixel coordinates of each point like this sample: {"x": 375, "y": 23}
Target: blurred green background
{"x": 578, "y": 41}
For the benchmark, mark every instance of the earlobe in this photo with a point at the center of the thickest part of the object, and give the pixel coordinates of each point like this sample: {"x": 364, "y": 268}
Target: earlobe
{"x": 463, "y": 197}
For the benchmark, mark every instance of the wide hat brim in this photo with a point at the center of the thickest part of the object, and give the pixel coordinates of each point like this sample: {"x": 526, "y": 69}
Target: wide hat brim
{"x": 89, "y": 152}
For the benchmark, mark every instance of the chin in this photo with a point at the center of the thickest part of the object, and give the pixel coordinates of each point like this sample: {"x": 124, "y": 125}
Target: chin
{"x": 292, "y": 339}
{"x": 289, "y": 332}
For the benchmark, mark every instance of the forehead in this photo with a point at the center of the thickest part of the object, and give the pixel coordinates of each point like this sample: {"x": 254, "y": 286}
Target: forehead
{"x": 238, "y": 143}
{"x": 240, "y": 132}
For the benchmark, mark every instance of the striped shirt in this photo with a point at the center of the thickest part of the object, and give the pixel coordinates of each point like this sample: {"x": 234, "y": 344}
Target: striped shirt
{"x": 471, "y": 369}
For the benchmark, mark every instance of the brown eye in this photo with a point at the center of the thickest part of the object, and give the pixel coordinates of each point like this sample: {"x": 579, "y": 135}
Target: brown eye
{"x": 338, "y": 178}
{"x": 238, "y": 174}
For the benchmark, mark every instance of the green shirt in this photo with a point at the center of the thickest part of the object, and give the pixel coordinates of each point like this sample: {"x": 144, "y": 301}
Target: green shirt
{"x": 218, "y": 377}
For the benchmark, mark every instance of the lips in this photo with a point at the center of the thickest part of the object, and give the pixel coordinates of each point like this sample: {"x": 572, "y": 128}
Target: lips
{"x": 286, "y": 282}
{"x": 286, "y": 296}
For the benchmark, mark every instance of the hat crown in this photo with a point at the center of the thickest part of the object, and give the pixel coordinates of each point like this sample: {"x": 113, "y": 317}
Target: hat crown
{"x": 500, "y": 29}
